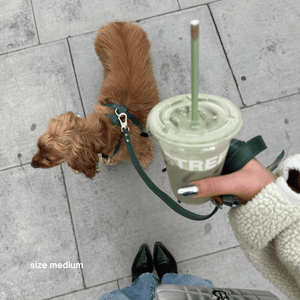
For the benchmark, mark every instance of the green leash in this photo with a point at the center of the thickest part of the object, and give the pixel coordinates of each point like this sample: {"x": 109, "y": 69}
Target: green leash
{"x": 239, "y": 154}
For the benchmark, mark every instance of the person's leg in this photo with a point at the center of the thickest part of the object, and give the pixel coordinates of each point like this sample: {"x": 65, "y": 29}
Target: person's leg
{"x": 185, "y": 279}
{"x": 114, "y": 295}
{"x": 142, "y": 288}
{"x": 166, "y": 268}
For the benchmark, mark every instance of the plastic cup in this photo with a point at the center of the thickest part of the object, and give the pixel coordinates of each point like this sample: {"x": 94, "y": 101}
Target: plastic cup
{"x": 193, "y": 150}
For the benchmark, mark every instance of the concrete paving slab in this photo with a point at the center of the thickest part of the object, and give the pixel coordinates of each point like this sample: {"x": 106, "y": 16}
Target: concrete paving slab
{"x": 277, "y": 122}
{"x": 88, "y": 69}
{"x": 17, "y": 27}
{"x": 36, "y": 229}
{"x": 36, "y": 84}
{"x": 93, "y": 293}
{"x": 229, "y": 268}
{"x": 190, "y": 3}
{"x": 171, "y": 59}
{"x": 115, "y": 213}
{"x": 262, "y": 43}
{"x": 59, "y": 19}
{"x": 171, "y": 53}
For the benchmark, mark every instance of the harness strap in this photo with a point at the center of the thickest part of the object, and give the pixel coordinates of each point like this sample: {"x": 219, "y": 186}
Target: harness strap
{"x": 115, "y": 151}
{"x": 122, "y": 109}
{"x": 116, "y": 122}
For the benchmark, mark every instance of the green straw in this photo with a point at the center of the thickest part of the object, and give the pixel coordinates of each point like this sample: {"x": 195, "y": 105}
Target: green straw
{"x": 195, "y": 67}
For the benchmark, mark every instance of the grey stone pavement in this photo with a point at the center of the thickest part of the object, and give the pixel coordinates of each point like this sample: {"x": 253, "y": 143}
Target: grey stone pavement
{"x": 249, "y": 53}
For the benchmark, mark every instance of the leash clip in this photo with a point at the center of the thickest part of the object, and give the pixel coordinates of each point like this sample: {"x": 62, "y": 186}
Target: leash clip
{"x": 123, "y": 124}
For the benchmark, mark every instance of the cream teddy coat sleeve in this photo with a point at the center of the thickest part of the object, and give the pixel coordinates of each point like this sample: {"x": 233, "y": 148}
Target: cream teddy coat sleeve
{"x": 268, "y": 230}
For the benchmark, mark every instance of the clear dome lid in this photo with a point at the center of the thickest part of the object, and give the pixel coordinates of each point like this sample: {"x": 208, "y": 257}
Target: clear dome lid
{"x": 171, "y": 121}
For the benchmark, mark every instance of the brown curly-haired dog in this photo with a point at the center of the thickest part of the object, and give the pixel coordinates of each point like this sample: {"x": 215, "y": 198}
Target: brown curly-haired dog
{"x": 124, "y": 50}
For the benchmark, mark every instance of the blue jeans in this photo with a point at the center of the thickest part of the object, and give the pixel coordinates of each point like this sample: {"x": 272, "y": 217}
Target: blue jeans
{"x": 144, "y": 286}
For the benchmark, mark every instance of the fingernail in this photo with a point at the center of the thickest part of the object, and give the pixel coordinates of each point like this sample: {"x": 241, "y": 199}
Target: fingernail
{"x": 188, "y": 191}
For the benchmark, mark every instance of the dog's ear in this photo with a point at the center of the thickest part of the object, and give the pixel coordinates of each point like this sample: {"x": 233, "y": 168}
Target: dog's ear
{"x": 83, "y": 160}
{"x": 79, "y": 156}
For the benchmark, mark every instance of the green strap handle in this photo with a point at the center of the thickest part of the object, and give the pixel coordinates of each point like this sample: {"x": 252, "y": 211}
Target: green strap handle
{"x": 240, "y": 153}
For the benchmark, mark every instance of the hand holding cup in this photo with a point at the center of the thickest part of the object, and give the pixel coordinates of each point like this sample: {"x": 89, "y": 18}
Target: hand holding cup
{"x": 244, "y": 184}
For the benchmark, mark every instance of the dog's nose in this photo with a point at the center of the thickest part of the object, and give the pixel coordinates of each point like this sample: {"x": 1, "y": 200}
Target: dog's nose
{"x": 34, "y": 166}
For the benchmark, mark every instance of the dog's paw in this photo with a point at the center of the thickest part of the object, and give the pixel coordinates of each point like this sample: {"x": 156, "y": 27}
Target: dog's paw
{"x": 109, "y": 162}
{"x": 145, "y": 163}
{"x": 104, "y": 160}
{"x": 75, "y": 171}
{"x": 112, "y": 161}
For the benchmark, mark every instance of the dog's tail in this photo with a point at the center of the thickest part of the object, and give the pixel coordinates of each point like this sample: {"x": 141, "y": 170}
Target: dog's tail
{"x": 112, "y": 46}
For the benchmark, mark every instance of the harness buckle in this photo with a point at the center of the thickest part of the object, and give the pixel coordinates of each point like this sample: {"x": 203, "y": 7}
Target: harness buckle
{"x": 123, "y": 124}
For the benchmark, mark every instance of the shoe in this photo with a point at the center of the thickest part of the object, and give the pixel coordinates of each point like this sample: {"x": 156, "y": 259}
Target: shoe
{"x": 142, "y": 263}
{"x": 164, "y": 262}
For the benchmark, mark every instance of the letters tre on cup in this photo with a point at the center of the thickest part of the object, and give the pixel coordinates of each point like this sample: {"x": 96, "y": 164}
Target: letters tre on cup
{"x": 196, "y": 165}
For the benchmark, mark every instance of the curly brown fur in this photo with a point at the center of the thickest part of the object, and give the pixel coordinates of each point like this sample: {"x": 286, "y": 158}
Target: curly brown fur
{"x": 124, "y": 50}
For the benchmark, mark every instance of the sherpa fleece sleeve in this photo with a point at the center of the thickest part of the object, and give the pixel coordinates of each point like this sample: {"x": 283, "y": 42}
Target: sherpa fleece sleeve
{"x": 268, "y": 230}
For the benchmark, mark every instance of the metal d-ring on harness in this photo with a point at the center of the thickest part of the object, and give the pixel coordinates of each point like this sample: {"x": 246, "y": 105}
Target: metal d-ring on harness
{"x": 115, "y": 118}
{"x": 239, "y": 154}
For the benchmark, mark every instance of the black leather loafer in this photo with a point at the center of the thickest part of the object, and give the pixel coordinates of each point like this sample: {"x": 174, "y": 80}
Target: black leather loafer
{"x": 164, "y": 262}
{"x": 142, "y": 263}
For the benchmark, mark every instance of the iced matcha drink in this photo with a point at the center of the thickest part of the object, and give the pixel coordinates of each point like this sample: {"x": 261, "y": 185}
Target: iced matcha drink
{"x": 193, "y": 150}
